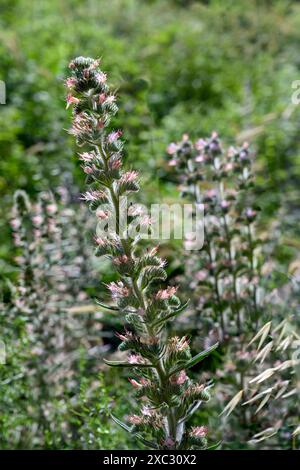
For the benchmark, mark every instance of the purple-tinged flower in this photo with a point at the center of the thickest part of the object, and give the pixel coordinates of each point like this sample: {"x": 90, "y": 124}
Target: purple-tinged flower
{"x": 169, "y": 443}
{"x": 118, "y": 289}
{"x": 100, "y": 77}
{"x": 172, "y": 148}
{"x": 200, "y": 144}
{"x": 113, "y": 136}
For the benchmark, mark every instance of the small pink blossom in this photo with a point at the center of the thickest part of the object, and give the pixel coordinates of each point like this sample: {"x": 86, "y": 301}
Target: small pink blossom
{"x": 224, "y": 204}
{"x": 164, "y": 294}
{"x": 135, "y": 419}
{"x": 118, "y": 289}
{"x": 129, "y": 176}
{"x": 70, "y": 82}
{"x": 52, "y": 209}
{"x": 135, "y": 359}
{"x": 172, "y": 148}
{"x": 88, "y": 170}
{"x": 179, "y": 379}
{"x": 102, "y": 214}
{"x": 113, "y": 136}
{"x": 135, "y": 383}
{"x": 102, "y": 98}
{"x": 200, "y": 144}
{"x": 119, "y": 260}
{"x": 72, "y": 100}
{"x": 93, "y": 195}
{"x": 199, "y": 431}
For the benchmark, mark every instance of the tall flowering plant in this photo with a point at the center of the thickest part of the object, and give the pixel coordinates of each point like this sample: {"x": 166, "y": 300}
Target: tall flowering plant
{"x": 158, "y": 364}
{"x": 226, "y": 271}
{"x": 225, "y": 274}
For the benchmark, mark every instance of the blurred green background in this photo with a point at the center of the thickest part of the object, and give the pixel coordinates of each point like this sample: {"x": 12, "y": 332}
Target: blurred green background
{"x": 177, "y": 66}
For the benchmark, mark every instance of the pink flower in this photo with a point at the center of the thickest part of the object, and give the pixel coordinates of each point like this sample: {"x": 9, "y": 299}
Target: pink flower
{"x": 199, "y": 158}
{"x": 15, "y": 223}
{"x": 118, "y": 289}
{"x": 129, "y": 176}
{"x": 70, "y": 82}
{"x": 211, "y": 193}
{"x": 199, "y": 431}
{"x": 135, "y": 419}
{"x": 164, "y": 294}
{"x": 102, "y": 214}
{"x": 102, "y": 98}
{"x": 172, "y": 148}
{"x": 135, "y": 359}
{"x": 51, "y": 209}
{"x": 135, "y": 384}
{"x": 110, "y": 99}
{"x": 173, "y": 162}
{"x": 37, "y": 220}
{"x": 200, "y": 144}
{"x": 250, "y": 213}
{"x": 72, "y": 100}
{"x": 93, "y": 195}
{"x": 113, "y": 136}
{"x": 179, "y": 379}
{"x": 100, "y": 77}
{"x": 224, "y": 204}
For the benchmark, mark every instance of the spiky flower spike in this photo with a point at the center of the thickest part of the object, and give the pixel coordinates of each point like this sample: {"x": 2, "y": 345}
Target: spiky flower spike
{"x": 157, "y": 364}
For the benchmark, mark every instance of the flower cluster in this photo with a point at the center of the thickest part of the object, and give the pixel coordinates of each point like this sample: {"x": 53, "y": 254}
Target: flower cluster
{"x": 226, "y": 273}
{"x": 158, "y": 365}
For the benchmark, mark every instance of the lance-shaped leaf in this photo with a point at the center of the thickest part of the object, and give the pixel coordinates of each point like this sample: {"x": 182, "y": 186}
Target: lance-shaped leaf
{"x": 123, "y": 425}
{"x": 125, "y": 364}
{"x": 195, "y": 360}
{"x": 214, "y": 446}
{"x": 107, "y": 307}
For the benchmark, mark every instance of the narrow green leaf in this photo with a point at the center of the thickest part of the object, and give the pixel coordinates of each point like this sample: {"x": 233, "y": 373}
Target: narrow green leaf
{"x": 214, "y": 446}
{"x": 107, "y": 307}
{"x": 199, "y": 357}
{"x": 125, "y": 364}
{"x": 123, "y": 425}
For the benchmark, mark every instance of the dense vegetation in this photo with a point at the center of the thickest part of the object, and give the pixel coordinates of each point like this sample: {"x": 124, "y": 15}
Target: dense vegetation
{"x": 176, "y": 67}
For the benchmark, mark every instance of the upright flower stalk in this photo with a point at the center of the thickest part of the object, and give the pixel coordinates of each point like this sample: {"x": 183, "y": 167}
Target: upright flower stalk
{"x": 227, "y": 269}
{"x": 158, "y": 364}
